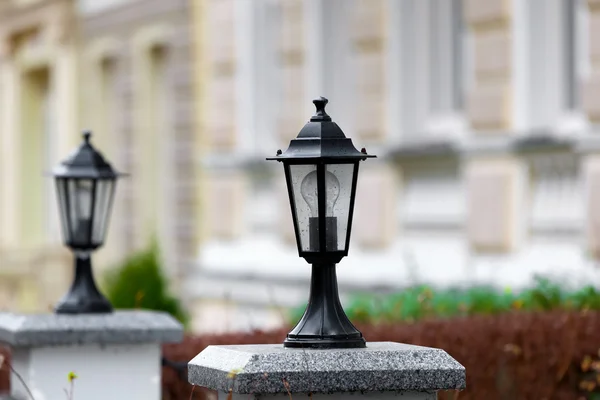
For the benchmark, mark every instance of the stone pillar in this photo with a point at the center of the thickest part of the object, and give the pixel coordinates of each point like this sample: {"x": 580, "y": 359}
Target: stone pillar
{"x": 496, "y": 108}
{"x": 494, "y": 203}
{"x": 367, "y": 19}
{"x": 114, "y": 356}
{"x": 382, "y": 370}
{"x": 490, "y": 100}
{"x": 375, "y": 216}
{"x": 591, "y": 88}
{"x": 590, "y": 163}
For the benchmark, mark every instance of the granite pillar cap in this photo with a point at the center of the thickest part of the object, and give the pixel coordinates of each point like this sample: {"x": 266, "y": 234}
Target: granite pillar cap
{"x": 119, "y": 327}
{"x": 381, "y": 366}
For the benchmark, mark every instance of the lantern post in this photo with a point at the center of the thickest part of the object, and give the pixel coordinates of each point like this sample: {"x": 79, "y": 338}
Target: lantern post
{"x": 85, "y": 185}
{"x": 321, "y": 172}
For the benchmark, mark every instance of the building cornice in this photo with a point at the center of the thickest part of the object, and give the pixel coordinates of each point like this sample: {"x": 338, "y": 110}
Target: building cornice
{"x": 130, "y": 14}
{"x": 515, "y": 144}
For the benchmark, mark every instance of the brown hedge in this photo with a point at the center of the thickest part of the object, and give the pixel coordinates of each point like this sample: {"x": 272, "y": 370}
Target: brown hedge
{"x": 507, "y": 357}
{"x": 512, "y": 356}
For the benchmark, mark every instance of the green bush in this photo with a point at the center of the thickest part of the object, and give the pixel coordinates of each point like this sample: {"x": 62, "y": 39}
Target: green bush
{"x": 140, "y": 283}
{"x": 419, "y": 302}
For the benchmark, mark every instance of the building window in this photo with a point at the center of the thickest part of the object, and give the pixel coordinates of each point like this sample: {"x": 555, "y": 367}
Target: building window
{"x": 446, "y": 57}
{"x": 258, "y": 75}
{"x": 36, "y": 135}
{"x": 433, "y": 65}
{"x": 570, "y": 58}
{"x": 329, "y": 59}
{"x": 556, "y": 63}
{"x": 160, "y": 174}
{"x": 433, "y": 198}
{"x": 268, "y": 74}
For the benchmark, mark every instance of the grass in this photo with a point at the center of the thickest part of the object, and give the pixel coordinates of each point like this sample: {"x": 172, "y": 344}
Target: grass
{"x": 420, "y": 302}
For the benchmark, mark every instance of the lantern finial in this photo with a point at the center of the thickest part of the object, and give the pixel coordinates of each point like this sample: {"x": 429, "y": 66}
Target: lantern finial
{"x": 86, "y": 136}
{"x": 321, "y": 114}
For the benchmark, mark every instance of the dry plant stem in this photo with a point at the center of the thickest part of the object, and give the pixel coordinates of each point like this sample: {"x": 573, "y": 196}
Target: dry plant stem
{"x": 20, "y": 378}
{"x": 570, "y": 353}
{"x": 287, "y": 387}
{"x": 192, "y": 392}
{"x": 69, "y": 393}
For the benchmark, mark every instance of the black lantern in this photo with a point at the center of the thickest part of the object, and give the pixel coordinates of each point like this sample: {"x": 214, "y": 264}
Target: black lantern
{"x": 321, "y": 170}
{"x": 85, "y": 185}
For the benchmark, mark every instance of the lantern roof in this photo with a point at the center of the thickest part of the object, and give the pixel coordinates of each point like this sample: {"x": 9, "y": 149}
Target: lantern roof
{"x": 321, "y": 138}
{"x": 85, "y": 162}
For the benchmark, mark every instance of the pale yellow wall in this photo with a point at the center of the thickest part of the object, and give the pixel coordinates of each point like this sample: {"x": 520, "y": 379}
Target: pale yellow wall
{"x": 200, "y": 71}
{"x": 151, "y": 134}
{"x": 97, "y": 112}
{"x": 31, "y": 199}
{"x": 27, "y": 72}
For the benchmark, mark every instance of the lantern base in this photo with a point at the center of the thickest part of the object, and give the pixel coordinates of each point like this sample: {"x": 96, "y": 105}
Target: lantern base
{"x": 324, "y": 324}
{"x": 83, "y": 296}
{"x": 341, "y": 343}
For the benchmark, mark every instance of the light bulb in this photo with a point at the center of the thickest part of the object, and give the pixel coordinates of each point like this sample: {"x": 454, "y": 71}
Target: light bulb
{"x": 84, "y": 198}
{"x": 83, "y": 194}
{"x": 309, "y": 191}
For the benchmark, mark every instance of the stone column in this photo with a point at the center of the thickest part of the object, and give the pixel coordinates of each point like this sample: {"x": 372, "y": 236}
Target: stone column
{"x": 494, "y": 201}
{"x": 382, "y": 370}
{"x": 495, "y": 180}
{"x": 591, "y": 157}
{"x": 590, "y": 170}
{"x": 490, "y": 101}
{"x": 368, "y": 31}
{"x": 114, "y": 356}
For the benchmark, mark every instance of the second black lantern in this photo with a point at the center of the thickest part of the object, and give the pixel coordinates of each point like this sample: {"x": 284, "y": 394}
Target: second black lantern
{"x": 85, "y": 183}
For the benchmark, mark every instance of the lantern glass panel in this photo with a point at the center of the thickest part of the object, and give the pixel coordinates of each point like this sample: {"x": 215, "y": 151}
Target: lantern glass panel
{"x": 81, "y": 192}
{"x": 305, "y": 201}
{"x": 102, "y": 206}
{"x": 62, "y": 194}
{"x": 338, "y": 194}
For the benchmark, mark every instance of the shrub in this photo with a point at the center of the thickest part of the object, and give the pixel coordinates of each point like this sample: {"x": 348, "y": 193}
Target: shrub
{"x": 140, "y": 283}
{"x": 417, "y": 303}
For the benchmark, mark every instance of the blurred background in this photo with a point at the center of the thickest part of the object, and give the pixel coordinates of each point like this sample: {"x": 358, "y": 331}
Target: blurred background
{"x": 482, "y": 114}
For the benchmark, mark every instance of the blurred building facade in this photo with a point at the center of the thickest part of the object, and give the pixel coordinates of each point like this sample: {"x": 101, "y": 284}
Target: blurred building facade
{"x": 38, "y": 74}
{"x": 482, "y": 113}
{"x": 136, "y": 91}
{"x": 122, "y": 69}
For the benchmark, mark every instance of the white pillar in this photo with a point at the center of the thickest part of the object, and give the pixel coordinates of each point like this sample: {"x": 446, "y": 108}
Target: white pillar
{"x": 122, "y": 348}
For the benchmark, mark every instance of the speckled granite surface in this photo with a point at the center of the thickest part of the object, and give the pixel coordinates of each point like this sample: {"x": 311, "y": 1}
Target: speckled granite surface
{"x": 382, "y": 366}
{"x": 135, "y": 326}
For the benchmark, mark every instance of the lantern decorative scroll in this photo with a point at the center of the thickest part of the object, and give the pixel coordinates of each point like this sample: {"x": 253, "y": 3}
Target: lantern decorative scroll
{"x": 321, "y": 171}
